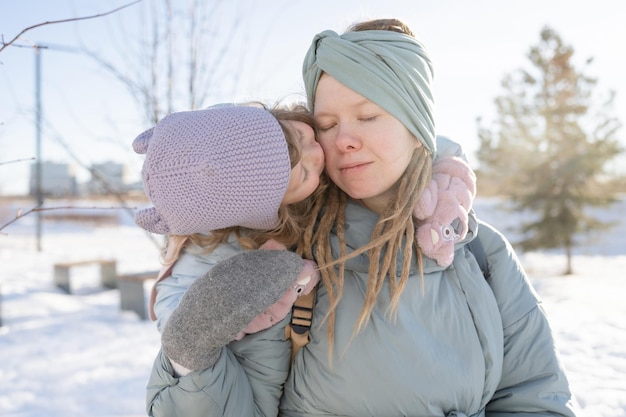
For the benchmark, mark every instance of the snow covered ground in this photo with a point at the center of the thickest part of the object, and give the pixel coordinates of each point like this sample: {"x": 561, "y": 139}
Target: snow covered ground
{"x": 79, "y": 355}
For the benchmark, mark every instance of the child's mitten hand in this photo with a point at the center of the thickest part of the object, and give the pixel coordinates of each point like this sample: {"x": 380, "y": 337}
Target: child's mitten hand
{"x": 225, "y": 300}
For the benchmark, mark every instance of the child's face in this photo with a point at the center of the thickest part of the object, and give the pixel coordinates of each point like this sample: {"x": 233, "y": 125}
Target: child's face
{"x": 305, "y": 175}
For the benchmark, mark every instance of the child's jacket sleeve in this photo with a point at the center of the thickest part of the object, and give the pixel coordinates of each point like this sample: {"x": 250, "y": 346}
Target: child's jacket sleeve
{"x": 247, "y": 380}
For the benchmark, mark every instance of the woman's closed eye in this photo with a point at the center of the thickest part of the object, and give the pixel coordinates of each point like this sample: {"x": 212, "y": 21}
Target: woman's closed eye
{"x": 368, "y": 118}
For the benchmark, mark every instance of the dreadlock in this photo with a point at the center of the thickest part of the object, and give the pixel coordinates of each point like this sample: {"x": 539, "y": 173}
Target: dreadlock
{"x": 395, "y": 226}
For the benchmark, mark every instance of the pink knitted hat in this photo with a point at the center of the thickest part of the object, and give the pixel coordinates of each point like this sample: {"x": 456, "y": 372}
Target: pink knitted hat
{"x": 211, "y": 169}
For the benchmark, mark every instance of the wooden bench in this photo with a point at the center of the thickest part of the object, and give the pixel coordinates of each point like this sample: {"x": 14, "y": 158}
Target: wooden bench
{"x": 108, "y": 273}
{"x": 132, "y": 296}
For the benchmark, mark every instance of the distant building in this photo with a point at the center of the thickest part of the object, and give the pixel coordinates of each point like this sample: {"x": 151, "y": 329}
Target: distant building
{"x": 57, "y": 180}
{"x": 107, "y": 178}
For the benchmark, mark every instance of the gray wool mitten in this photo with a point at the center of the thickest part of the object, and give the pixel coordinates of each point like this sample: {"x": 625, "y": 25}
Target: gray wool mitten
{"x": 222, "y": 302}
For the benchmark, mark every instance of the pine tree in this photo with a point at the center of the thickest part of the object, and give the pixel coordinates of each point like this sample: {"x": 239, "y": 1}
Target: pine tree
{"x": 547, "y": 153}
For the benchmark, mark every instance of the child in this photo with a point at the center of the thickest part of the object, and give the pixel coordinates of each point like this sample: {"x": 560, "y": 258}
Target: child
{"x": 223, "y": 180}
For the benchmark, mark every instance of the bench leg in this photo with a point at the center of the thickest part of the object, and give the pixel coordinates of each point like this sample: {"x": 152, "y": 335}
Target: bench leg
{"x": 62, "y": 278}
{"x": 108, "y": 274}
{"x": 132, "y": 297}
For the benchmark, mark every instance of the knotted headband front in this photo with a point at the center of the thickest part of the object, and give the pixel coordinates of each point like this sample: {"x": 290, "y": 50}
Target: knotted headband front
{"x": 388, "y": 68}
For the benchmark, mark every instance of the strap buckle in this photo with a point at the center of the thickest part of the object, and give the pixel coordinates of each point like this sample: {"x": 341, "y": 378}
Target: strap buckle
{"x": 301, "y": 319}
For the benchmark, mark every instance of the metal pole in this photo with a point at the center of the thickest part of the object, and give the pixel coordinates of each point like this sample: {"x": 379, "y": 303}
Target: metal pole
{"x": 38, "y": 173}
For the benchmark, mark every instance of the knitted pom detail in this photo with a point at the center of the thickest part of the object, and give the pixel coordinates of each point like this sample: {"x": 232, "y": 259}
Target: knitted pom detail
{"x": 152, "y": 221}
{"x": 141, "y": 142}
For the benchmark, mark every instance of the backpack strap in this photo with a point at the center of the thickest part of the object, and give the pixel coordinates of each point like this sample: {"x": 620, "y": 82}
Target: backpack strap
{"x": 301, "y": 316}
{"x": 476, "y": 247}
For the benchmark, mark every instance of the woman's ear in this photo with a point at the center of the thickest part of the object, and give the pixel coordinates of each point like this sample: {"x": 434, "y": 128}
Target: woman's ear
{"x": 418, "y": 143}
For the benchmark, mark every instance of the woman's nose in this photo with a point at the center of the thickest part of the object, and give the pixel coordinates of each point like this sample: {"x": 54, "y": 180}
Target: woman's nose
{"x": 347, "y": 139}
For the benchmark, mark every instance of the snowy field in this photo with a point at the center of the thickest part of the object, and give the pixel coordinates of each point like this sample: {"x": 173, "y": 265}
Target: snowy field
{"x": 79, "y": 355}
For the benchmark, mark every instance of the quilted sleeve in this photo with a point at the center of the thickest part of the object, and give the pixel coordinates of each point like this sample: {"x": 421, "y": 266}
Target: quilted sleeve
{"x": 533, "y": 382}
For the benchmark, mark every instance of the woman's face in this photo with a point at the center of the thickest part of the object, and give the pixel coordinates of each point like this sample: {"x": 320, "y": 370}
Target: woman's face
{"x": 366, "y": 148}
{"x": 305, "y": 175}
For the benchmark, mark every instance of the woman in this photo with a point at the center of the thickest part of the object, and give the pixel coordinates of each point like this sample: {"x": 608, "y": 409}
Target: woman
{"x": 396, "y": 333}
{"x": 407, "y": 336}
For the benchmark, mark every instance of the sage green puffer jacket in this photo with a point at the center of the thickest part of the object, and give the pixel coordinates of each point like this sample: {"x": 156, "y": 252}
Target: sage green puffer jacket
{"x": 459, "y": 346}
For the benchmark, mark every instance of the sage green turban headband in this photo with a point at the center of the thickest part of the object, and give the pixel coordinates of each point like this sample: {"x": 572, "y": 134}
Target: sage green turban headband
{"x": 388, "y": 68}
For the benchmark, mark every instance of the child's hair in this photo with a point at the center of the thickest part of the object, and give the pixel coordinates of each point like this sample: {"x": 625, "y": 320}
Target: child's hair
{"x": 395, "y": 226}
{"x": 293, "y": 218}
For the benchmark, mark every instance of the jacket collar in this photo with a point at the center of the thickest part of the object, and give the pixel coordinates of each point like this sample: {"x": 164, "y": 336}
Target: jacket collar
{"x": 360, "y": 222}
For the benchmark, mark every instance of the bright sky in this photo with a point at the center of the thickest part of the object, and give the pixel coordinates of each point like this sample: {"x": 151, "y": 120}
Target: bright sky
{"x": 473, "y": 45}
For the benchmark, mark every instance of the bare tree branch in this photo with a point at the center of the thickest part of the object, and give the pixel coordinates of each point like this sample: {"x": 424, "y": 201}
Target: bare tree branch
{"x": 17, "y": 160}
{"x": 181, "y": 55}
{"x": 98, "y": 176}
{"x": 51, "y": 22}
{"x": 21, "y": 213}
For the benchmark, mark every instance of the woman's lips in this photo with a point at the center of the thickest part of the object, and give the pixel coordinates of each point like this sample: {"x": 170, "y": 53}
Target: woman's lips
{"x": 354, "y": 168}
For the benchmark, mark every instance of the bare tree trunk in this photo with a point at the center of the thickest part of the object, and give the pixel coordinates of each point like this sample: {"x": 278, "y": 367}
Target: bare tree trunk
{"x": 568, "y": 250}
{"x": 170, "y": 56}
{"x": 152, "y": 94}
